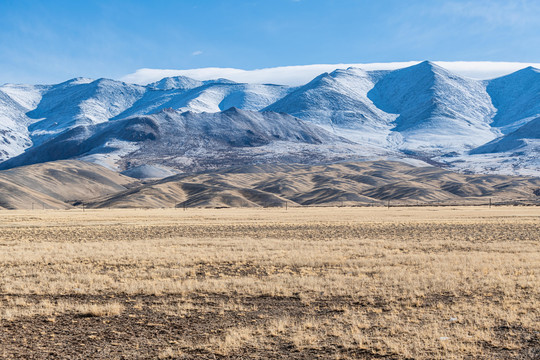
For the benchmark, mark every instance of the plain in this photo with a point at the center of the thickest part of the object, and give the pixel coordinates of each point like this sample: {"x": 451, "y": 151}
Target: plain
{"x": 302, "y": 283}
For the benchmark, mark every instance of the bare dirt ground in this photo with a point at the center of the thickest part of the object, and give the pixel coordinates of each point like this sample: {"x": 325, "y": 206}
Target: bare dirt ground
{"x": 315, "y": 283}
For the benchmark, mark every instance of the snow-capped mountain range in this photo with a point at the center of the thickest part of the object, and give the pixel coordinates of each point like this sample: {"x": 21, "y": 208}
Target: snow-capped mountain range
{"x": 180, "y": 124}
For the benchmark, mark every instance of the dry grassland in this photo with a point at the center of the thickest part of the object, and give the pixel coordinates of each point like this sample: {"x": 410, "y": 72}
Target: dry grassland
{"x": 328, "y": 283}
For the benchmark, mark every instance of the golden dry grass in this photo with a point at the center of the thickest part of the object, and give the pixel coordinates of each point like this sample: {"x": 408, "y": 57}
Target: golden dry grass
{"x": 422, "y": 283}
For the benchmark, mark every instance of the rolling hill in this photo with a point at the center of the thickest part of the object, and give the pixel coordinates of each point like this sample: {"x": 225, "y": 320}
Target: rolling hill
{"x": 57, "y": 185}
{"x": 347, "y": 183}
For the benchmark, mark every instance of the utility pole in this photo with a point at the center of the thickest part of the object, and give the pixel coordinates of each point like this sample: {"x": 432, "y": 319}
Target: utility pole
{"x": 490, "y": 203}
{"x": 388, "y": 204}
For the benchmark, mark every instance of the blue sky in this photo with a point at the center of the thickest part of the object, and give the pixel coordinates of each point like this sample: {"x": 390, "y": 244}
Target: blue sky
{"x": 54, "y": 40}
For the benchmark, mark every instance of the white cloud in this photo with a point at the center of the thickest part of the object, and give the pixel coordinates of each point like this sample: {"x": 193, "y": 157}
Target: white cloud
{"x": 197, "y": 53}
{"x": 299, "y": 75}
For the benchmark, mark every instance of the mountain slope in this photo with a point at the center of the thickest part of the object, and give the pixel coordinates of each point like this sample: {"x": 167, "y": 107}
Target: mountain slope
{"x": 339, "y": 100}
{"x": 175, "y": 83}
{"x": 422, "y": 111}
{"x": 27, "y": 96}
{"x": 192, "y": 141}
{"x": 525, "y": 138}
{"x": 14, "y": 136}
{"x": 80, "y": 102}
{"x": 438, "y": 111}
{"x": 516, "y": 97}
{"x": 516, "y": 153}
{"x": 210, "y": 96}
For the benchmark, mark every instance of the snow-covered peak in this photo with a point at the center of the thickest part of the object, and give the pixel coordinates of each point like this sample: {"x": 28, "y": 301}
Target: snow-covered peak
{"x": 438, "y": 110}
{"x": 80, "y": 101}
{"x": 80, "y": 80}
{"x": 531, "y": 69}
{"x": 210, "y": 97}
{"x": 425, "y": 71}
{"x": 337, "y": 99}
{"x": 528, "y": 74}
{"x": 219, "y": 81}
{"x": 75, "y": 81}
{"x": 423, "y": 109}
{"x": 429, "y": 65}
{"x": 516, "y": 97}
{"x": 176, "y": 82}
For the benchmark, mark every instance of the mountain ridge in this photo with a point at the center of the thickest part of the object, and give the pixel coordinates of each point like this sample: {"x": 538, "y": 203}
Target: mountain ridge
{"x": 215, "y": 139}
{"x": 421, "y": 111}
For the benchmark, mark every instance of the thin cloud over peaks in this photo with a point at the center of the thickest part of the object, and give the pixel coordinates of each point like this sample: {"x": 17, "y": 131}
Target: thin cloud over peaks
{"x": 299, "y": 75}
